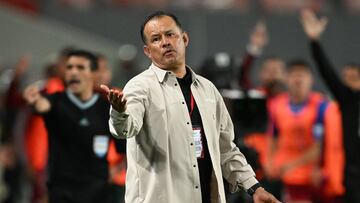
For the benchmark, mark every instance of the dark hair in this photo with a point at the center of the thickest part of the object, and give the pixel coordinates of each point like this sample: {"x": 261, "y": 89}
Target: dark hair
{"x": 157, "y": 14}
{"x": 298, "y": 64}
{"x": 85, "y": 54}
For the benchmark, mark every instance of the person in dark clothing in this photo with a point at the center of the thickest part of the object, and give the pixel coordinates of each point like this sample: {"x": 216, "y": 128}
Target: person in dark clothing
{"x": 79, "y": 136}
{"x": 348, "y": 97}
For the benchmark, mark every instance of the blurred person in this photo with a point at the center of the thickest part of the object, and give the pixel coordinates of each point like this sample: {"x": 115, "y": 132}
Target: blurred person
{"x": 350, "y": 75}
{"x": 11, "y": 140}
{"x": 78, "y": 133}
{"x": 272, "y": 79}
{"x": 272, "y": 76}
{"x": 179, "y": 131}
{"x": 347, "y": 94}
{"x": 35, "y": 133}
{"x": 258, "y": 40}
{"x": 298, "y": 123}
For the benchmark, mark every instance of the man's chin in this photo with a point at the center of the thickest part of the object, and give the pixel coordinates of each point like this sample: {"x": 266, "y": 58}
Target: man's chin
{"x": 74, "y": 90}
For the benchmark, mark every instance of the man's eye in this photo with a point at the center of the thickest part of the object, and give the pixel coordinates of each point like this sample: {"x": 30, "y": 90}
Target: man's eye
{"x": 80, "y": 67}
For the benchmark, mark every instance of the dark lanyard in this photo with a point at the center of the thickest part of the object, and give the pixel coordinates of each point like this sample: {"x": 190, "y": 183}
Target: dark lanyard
{"x": 192, "y": 104}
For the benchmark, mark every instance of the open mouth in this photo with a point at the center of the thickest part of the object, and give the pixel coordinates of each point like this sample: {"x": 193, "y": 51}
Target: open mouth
{"x": 73, "y": 82}
{"x": 169, "y": 52}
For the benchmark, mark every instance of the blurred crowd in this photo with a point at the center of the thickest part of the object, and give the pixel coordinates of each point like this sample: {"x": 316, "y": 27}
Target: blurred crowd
{"x": 291, "y": 134}
{"x": 282, "y": 6}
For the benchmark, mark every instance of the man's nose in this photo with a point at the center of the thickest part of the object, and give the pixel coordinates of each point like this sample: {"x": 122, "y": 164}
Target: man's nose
{"x": 73, "y": 71}
{"x": 165, "y": 42}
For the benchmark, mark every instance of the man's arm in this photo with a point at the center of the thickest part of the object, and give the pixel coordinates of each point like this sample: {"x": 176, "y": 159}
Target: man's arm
{"x": 126, "y": 114}
{"x": 234, "y": 166}
{"x": 313, "y": 28}
{"x": 258, "y": 40}
{"x": 33, "y": 97}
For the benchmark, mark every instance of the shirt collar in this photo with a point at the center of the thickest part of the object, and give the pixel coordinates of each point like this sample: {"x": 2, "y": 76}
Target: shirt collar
{"x": 161, "y": 74}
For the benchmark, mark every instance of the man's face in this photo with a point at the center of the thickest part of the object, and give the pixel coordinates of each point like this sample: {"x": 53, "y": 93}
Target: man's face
{"x": 351, "y": 77}
{"x": 78, "y": 75}
{"x": 299, "y": 81}
{"x": 165, "y": 43}
{"x": 272, "y": 71}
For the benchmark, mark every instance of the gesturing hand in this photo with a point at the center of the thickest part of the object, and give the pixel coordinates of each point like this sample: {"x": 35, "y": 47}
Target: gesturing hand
{"x": 259, "y": 37}
{"x": 116, "y": 98}
{"x": 31, "y": 94}
{"x": 312, "y": 25}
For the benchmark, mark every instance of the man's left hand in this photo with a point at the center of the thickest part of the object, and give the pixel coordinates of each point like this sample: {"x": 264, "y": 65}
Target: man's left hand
{"x": 262, "y": 196}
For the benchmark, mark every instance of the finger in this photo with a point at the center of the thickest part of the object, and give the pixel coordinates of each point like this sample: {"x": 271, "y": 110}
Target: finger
{"x": 115, "y": 96}
{"x": 105, "y": 88}
{"x": 112, "y": 96}
{"x": 123, "y": 102}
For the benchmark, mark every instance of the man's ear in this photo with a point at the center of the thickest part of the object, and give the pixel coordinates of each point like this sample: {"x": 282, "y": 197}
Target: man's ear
{"x": 185, "y": 37}
{"x": 147, "y": 51}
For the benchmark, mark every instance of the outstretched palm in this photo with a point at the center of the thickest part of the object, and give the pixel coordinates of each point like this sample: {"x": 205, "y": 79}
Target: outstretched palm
{"x": 116, "y": 98}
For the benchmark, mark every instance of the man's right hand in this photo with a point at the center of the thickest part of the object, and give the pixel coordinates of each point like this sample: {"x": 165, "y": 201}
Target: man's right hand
{"x": 32, "y": 94}
{"x": 33, "y": 97}
{"x": 116, "y": 98}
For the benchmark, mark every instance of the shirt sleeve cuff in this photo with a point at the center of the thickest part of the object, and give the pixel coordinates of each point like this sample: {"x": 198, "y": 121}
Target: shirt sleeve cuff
{"x": 249, "y": 183}
{"x": 115, "y": 115}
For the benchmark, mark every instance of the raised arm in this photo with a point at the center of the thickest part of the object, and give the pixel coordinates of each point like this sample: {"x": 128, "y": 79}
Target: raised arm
{"x": 33, "y": 97}
{"x": 313, "y": 28}
{"x": 258, "y": 40}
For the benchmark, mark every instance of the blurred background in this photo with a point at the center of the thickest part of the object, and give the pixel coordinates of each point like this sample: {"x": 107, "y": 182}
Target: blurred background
{"x": 34, "y": 34}
{"x": 42, "y": 27}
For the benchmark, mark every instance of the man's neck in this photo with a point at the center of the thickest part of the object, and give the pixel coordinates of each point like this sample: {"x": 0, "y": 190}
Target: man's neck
{"x": 180, "y": 72}
{"x": 85, "y": 96}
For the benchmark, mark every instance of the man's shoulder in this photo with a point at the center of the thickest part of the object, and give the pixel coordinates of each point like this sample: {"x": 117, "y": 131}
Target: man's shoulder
{"x": 204, "y": 81}
{"x": 147, "y": 76}
{"x": 143, "y": 80}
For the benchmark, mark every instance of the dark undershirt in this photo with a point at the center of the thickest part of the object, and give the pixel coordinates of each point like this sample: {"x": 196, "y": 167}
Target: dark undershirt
{"x": 204, "y": 164}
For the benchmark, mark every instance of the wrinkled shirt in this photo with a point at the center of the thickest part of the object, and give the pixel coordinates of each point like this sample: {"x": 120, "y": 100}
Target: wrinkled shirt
{"x": 162, "y": 163}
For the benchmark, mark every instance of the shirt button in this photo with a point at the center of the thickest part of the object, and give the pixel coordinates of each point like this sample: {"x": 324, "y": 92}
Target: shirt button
{"x": 194, "y": 165}
{"x": 183, "y": 102}
{"x": 175, "y": 84}
{"x": 187, "y": 123}
{"x": 196, "y": 187}
{"x": 191, "y": 144}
